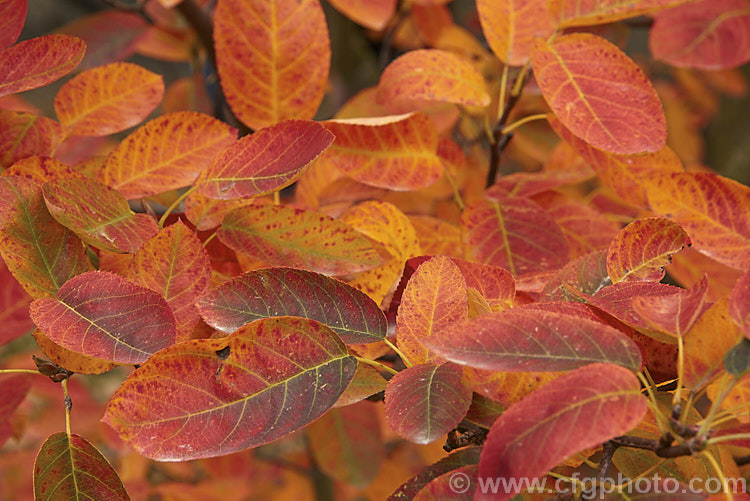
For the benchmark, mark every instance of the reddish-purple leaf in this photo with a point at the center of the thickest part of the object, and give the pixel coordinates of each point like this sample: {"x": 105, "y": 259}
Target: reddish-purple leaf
{"x": 12, "y": 17}
{"x": 13, "y": 389}
{"x": 674, "y": 314}
{"x": 529, "y": 340}
{"x": 460, "y": 458}
{"x": 212, "y": 397}
{"x": 104, "y": 316}
{"x": 39, "y": 61}
{"x": 515, "y": 234}
{"x": 739, "y": 303}
{"x": 267, "y": 161}
{"x": 98, "y": 214}
{"x": 23, "y": 135}
{"x": 424, "y": 402}
{"x": 586, "y": 274}
{"x": 14, "y": 307}
{"x": 572, "y": 413}
{"x": 39, "y": 252}
{"x": 274, "y": 292}
{"x": 458, "y": 485}
{"x": 69, "y": 467}
{"x": 175, "y": 264}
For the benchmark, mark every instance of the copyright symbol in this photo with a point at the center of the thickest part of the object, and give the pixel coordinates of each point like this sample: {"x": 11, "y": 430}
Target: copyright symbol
{"x": 459, "y": 482}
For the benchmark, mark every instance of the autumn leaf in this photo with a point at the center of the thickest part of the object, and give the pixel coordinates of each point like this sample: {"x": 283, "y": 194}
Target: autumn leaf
{"x": 39, "y": 61}
{"x": 267, "y": 161}
{"x": 40, "y": 169}
{"x": 13, "y": 390}
{"x": 108, "y": 99}
{"x": 14, "y": 307}
{"x": 673, "y": 314}
{"x": 347, "y": 444}
{"x": 39, "y": 252}
{"x": 372, "y": 14}
{"x": 642, "y": 249}
{"x": 366, "y": 382}
{"x": 424, "y": 402}
{"x": 206, "y": 213}
{"x": 284, "y": 236}
{"x": 273, "y": 58}
{"x": 12, "y": 17}
{"x": 456, "y": 460}
{"x": 264, "y": 381}
{"x": 166, "y": 153}
{"x": 710, "y": 35}
{"x": 395, "y": 152}
{"x": 175, "y": 264}
{"x": 529, "y": 340}
{"x": 510, "y": 27}
{"x": 24, "y": 134}
{"x": 104, "y": 316}
{"x": 98, "y": 214}
{"x": 586, "y": 274}
{"x": 739, "y": 305}
{"x": 69, "y": 359}
{"x": 68, "y": 466}
{"x": 576, "y": 411}
{"x": 569, "y": 13}
{"x": 599, "y": 93}
{"x": 707, "y": 343}
{"x": 273, "y": 292}
{"x": 432, "y": 75}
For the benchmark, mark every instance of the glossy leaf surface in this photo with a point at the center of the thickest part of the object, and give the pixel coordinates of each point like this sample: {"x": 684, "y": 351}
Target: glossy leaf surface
{"x": 568, "y": 13}
{"x": 36, "y": 62}
{"x": 576, "y": 411}
{"x": 166, "y": 153}
{"x": 103, "y": 315}
{"x": 432, "y": 75}
{"x": 273, "y": 377}
{"x": 510, "y": 27}
{"x": 529, "y": 340}
{"x": 424, "y": 402}
{"x": 39, "y": 252}
{"x": 710, "y": 35}
{"x": 273, "y": 58}
{"x": 284, "y": 236}
{"x": 108, "y": 99}
{"x": 269, "y": 160}
{"x": 98, "y": 214}
{"x": 72, "y": 468}
{"x": 714, "y": 210}
{"x": 739, "y": 303}
{"x": 274, "y": 292}
{"x": 397, "y": 153}
{"x": 642, "y": 249}
{"x": 600, "y": 94}
{"x": 12, "y": 17}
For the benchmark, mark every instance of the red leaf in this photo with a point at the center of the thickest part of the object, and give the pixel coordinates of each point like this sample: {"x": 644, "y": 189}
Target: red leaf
{"x": 69, "y": 467}
{"x": 218, "y": 396}
{"x": 175, "y": 264}
{"x": 267, "y": 161}
{"x": 23, "y": 135}
{"x": 14, "y": 308}
{"x": 739, "y": 303}
{"x": 98, "y": 214}
{"x": 424, "y": 402}
{"x": 529, "y": 340}
{"x": 676, "y": 313}
{"x": 166, "y": 153}
{"x": 568, "y": 13}
{"x": 108, "y": 99}
{"x": 511, "y": 26}
{"x": 273, "y": 292}
{"x": 572, "y": 413}
{"x": 711, "y": 35}
{"x": 104, "y": 316}
{"x": 366, "y": 382}
{"x": 586, "y": 274}
{"x": 13, "y": 390}
{"x": 40, "y": 169}
{"x": 12, "y": 17}
{"x": 273, "y": 58}
{"x": 642, "y": 249}
{"x": 39, "y": 61}
{"x": 600, "y": 94}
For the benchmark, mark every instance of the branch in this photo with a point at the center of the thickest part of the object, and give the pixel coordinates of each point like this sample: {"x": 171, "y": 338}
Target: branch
{"x": 465, "y": 434}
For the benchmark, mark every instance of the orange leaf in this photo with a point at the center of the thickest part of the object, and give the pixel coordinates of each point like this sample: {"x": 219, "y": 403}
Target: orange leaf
{"x": 98, "y": 214}
{"x": 166, "y": 153}
{"x": 12, "y": 17}
{"x": 567, "y": 13}
{"x": 273, "y": 58}
{"x": 623, "y": 173}
{"x": 372, "y": 14}
{"x": 23, "y": 135}
{"x": 739, "y": 303}
{"x": 267, "y": 161}
{"x": 707, "y": 343}
{"x": 711, "y": 35}
{"x": 599, "y": 93}
{"x": 434, "y": 298}
{"x": 284, "y": 236}
{"x": 367, "y": 381}
{"x": 511, "y": 26}
{"x": 714, "y": 210}
{"x": 40, "y": 169}
{"x": 39, "y": 61}
{"x": 642, "y": 249}
{"x": 397, "y": 152}
{"x": 175, "y": 264}
{"x": 108, "y": 99}
{"x": 432, "y": 75}
{"x": 104, "y": 316}
{"x": 437, "y": 237}
{"x": 70, "y": 360}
